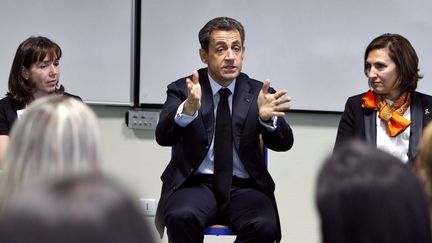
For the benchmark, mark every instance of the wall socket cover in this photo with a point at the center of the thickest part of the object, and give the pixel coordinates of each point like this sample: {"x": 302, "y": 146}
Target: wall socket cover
{"x": 139, "y": 119}
{"x": 148, "y": 206}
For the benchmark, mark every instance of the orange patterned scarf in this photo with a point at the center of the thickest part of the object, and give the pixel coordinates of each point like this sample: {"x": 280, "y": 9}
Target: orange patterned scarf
{"x": 391, "y": 115}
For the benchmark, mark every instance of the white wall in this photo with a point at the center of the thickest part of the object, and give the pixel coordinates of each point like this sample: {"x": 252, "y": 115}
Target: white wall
{"x": 136, "y": 159}
{"x": 95, "y": 38}
{"x": 306, "y": 46}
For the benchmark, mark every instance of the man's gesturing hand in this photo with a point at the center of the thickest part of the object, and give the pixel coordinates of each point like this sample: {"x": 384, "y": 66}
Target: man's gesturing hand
{"x": 193, "y": 101}
{"x": 270, "y": 105}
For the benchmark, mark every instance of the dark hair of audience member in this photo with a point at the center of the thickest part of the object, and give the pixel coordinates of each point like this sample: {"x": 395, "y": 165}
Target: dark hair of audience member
{"x": 365, "y": 195}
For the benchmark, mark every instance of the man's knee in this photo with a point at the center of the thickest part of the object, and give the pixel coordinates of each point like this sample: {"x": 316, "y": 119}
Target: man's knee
{"x": 259, "y": 230}
{"x": 181, "y": 216}
{"x": 266, "y": 226}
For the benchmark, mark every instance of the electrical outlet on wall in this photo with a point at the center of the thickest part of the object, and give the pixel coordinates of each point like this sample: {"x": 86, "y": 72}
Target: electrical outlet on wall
{"x": 148, "y": 206}
{"x": 140, "y": 119}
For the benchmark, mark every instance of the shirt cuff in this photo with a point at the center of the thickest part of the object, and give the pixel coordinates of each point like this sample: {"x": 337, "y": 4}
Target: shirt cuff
{"x": 270, "y": 126}
{"x": 182, "y": 119}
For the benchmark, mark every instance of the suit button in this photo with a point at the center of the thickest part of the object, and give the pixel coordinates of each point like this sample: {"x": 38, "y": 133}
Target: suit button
{"x": 174, "y": 188}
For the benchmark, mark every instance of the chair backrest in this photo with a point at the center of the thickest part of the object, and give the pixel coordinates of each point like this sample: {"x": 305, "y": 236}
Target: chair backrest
{"x": 264, "y": 150}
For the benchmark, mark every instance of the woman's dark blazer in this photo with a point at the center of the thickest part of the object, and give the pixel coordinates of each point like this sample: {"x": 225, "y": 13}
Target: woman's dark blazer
{"x": 8, "y": 113}
{"x": 360, "y": 123}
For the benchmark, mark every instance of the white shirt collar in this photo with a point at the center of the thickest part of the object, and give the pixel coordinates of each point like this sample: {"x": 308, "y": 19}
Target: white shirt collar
{"x": 216, "y": 87}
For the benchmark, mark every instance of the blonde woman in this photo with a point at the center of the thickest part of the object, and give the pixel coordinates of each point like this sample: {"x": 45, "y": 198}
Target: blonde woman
{"x": 57, "y": 135}
{"x": 85, "y": 208}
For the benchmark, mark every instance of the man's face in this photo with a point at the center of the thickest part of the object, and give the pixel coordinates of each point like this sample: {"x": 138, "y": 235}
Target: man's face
{"x": 225, "y": 56}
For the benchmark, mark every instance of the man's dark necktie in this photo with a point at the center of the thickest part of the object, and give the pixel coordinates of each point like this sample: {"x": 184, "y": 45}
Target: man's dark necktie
{"x": 223, "y": 154}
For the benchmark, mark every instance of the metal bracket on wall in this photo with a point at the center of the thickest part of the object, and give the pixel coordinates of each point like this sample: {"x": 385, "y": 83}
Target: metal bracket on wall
{"x": 140, "y": 119}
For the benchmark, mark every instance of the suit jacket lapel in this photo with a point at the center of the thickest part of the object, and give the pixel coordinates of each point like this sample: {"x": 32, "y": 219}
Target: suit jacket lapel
{"x": 242, "y": 100}
{"x": 207, "y": 109}
{"x": 370, "y": 126}
{"x": 416, "y": 125}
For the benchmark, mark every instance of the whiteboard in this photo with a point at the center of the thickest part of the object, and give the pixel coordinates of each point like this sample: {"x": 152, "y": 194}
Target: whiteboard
{"x": 313, "y": 48}
{"x": 95, "y": 37}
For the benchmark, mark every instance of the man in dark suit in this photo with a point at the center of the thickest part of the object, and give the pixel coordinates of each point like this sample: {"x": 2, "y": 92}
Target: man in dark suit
{"x": 190, "y": 199}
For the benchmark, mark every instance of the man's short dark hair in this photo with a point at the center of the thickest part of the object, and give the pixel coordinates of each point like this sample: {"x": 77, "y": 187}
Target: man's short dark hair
{"x": 219, "y": 23}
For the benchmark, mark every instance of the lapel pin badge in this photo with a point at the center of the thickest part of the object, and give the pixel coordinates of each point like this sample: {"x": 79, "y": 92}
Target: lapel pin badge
{"x": 427, "y": 111}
